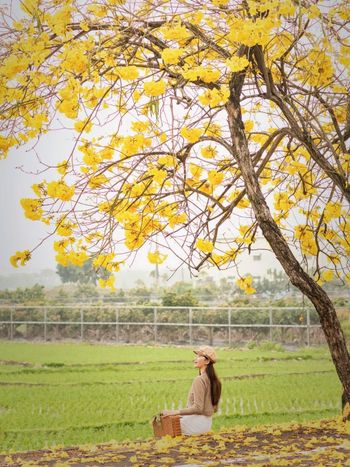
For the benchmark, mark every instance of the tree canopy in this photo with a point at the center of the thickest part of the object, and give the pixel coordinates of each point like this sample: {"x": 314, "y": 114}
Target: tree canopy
{"x": 145, "y": 87}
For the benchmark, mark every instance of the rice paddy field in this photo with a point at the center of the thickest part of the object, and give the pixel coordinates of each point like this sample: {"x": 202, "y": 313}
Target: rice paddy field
{"x": 71, "y": 393}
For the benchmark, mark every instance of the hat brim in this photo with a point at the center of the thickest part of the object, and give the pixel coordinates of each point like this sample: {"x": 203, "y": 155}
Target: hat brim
{"x": 200, "y": 352}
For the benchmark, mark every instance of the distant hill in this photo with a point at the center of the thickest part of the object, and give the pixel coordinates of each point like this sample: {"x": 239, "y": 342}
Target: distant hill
{"x": 127, "y": 278}
{"x": 46, "y": 277}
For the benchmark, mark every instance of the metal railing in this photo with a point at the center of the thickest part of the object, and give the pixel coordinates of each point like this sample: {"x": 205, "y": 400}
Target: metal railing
{"x": 223, "y": 319}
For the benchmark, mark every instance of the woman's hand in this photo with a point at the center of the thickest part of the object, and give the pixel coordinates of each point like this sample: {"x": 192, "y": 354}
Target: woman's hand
{"x": 165, "y": 413}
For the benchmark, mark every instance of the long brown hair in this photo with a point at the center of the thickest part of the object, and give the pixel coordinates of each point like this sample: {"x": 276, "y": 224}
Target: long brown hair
{"x": 215, "y": 384}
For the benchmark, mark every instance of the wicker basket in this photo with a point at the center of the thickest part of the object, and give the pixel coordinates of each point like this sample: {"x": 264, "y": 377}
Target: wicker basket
{"x": 166, "y": 425}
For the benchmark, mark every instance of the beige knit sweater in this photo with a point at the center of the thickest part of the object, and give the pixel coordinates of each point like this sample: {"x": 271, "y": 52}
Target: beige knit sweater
{"x": 199, "y": 399}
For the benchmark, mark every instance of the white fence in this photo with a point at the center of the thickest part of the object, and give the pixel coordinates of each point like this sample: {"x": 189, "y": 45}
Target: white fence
{"x": 159, "y": 324}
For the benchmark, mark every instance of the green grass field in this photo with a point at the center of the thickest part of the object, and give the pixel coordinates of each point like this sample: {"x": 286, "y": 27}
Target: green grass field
{"x": 64, "y": 394}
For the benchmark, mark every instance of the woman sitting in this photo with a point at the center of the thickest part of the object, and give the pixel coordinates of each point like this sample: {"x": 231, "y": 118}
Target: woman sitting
{"x": 203, "y": 397}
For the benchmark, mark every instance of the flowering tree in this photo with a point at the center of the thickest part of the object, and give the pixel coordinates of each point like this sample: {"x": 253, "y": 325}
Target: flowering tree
{"x": 197, "y": 125}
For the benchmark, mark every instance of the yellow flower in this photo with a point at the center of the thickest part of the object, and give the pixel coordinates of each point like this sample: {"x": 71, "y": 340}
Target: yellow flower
{"x": 209, "y": 152}
{"x": 214, "y": 97}
{"x": 191, "y": 134}
{"x": 206, "y": 246}
{"x": 106, "y": 262}
{"x": 5, "y": 145}
{"x": 83, "y": 125}
{"x": 58, "y": 22}
{"x": 171, "y": 56}
{"x": 248, "y": 125}
{"x": 156, "y": 257}
{"x": 62, "y": 167}
{"x": 159, "y": 175}
{"x": 175, "y": 32}
{"x": 140, "y": 127}
{"x": 60, "y": 190}
{"x": 78, "y": 258}
{"x": 32, "y": 208}
{"x": 177, "y": 219}
{"x": 214, "y": 177}
{"x": 206, "y": 74}
{"x": 39, "y": 189}
{"x": 196, "y": 170}
{"x": 237, "y": 63}
{"x": 97, "y": 181}
{"x": 107, "y": 283}
{"x": 306, "y": 238}
{"x": 332, "y": 210}
{"x": 245, "y": 284}
{"x": 219, "y": 2}
{"x": 14, "y": 64}
{"x": 128, "y": 73}
{"x": 327, "y": 275}
{"x": 22, "y": 256}
{"x": 214, "y": 129}
{"x": 283, "y": 201}
{"x": 154, "y": 88}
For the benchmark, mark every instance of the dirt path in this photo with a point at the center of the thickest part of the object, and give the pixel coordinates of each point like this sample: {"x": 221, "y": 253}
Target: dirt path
{"x": 321, "y": 443}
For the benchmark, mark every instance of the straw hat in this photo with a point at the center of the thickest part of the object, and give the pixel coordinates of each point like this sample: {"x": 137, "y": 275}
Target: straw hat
{"x": 207, "y": 351}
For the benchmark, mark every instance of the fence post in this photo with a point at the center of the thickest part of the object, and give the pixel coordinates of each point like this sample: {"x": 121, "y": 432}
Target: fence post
{"x": 117, "y": 325}
{"x": 308, "y": 326}
{"x": 11, "y": 323}
{"x": 270, "y": 323}
{"x": 229, "y": 328}
{"x": 190, "y": 323}
{"x": 81, "y": 324}
{"x": 155, "y": 328}
{"x": 45, "y": 324}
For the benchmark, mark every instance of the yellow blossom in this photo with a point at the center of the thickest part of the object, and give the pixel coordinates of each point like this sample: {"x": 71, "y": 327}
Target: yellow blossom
{"x": 175, "y": 31}
{"x": 327, "y": 275}
{"x": 206, "y": 74}
{"x": 60, "y": 190}
{"x": 237, "y": 63}
{"x": 83, "y": 125}
{"x": 20, "y": 256}
{"x": 177, "y": 219}
{"x": 154, "y": 88}
{"x": 332, "y": 210}
{"x": 128, "y": 73}
{"x": 32, "y": 208}
{"x": 64, "y": 227}
{"x": 215, "y": 178}
{"x": 156, "y": 257}
{"x": 209, "y": 152}
{"x": 195, "y": 170}
{"x": 107, "y": 283}
{"x": 283, "y": 201}
{"x": 214, "y": 97}
{"x": 140, "y": 127}
{"x": 106, "y": 262}
{"x": 206, "y": 246}
{"x": 171, "y": 56}
{"x": 191, "y": 134}
{"x": 98, "y": 180}
{"x": 245, "y": 284}
{"x": 219, "y": 2}
{"x": 159, "y": 175}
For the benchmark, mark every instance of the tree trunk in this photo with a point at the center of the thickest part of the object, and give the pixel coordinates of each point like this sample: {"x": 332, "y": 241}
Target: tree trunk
{"x": 298, "y": 277}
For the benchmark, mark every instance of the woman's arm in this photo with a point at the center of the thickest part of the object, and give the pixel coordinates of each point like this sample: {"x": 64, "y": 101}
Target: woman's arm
{"x": 198, "y": 389}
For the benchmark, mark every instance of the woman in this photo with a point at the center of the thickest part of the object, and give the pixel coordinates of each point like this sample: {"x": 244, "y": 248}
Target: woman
{"x": 203, "y": 397}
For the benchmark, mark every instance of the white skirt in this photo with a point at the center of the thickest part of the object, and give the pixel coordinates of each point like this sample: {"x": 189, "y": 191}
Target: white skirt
{"x": 195, "y": 424}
